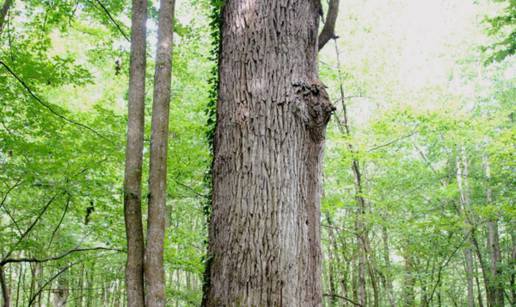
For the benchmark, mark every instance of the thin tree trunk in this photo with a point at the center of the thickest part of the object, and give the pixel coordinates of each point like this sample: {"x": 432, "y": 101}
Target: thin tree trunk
{"x": 3, "y": 13}
{"x": 345, "y": 278}
{"x": 272, "y": 111}
{"x": 495, "y": 292}
{"x": 354, "y": 274}
{"x": 512, "y": 264}
{"x": 134, "y": 157}
{"x": 371, "y": 268}
{"x": 439, "y": 295}
{"x": 32, "y": 288}
{"x": 360, "y": 227}
{"x": 468, "y": 265}
{"x": 424, "y": 294}
{"x": 462, "y": 174}
{"x": 479, "y": 290}
{"x": 331, "y": 262}
{"x": 409, "y": 281}
{"x": 336, "y": 253}
{"x": 388, "y": 273}
{"x": 38, "y": 276}
{"x": 81, "y": 286}
{"x": 24, "y": 284}
{"x": 61, "y": 293}
{"x": 118, "y": 294}
{"x": 154, "y": 269}
{"x": 362, "y": 262}
{"x": 19, "y": 283}
{"x": 90, "y": 282}
{"x": 5, "y": 289}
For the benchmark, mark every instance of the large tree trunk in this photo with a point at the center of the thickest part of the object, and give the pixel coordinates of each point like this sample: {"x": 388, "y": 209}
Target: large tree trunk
{"x": 134, "y": 157}
{"x": 154, "y": 270}
{"x": 272, "y": 111}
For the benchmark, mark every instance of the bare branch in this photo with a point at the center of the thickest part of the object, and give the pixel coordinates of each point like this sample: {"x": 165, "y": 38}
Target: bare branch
{"x": 328, "y": 31}
{"x": 189, "y": 188}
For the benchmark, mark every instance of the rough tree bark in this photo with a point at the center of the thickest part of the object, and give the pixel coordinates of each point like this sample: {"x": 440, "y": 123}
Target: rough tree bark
{"x": 272, "y": 111}
{"x": 154, "y": 269}
{"x": 134, "y": 157}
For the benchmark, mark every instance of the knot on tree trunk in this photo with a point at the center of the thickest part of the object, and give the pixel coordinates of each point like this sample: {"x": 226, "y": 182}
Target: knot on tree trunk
{"x": 313, "y": 107}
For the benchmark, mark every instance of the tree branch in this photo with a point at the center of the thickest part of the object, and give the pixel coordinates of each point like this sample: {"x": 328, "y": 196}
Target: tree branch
{"x": 33, "y": 298}
{"x": 3, "y": 206}
{"x": 445, "y": 264}
{"x": 376, "y": 147}
{"x": 117, "y": 25}
{"x": 189, "y": 188}
{"x": 343, "y": 298}
{"x": 328, "y": 31}
{"x": 68, "y": 199}
{"x": 72, "y": 251}
{"x": 4, "y": 198}
{"x": 30, "y": 227}
{"x": 48, "y": 106}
